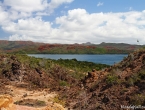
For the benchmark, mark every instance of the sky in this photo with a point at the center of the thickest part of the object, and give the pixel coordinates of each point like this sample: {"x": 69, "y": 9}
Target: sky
{"x": 73, "y": 21}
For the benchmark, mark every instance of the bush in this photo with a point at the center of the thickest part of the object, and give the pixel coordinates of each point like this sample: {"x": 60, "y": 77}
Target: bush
{"x": 63, "y": 83}
{"x": 31, "y": 102}
{"x": 57, "y": 99}
{"x": 137, "y": 99}
{"x": 111, "y": 79}
{"x": 40, "y": 103}
{"x": 142, "y": 74}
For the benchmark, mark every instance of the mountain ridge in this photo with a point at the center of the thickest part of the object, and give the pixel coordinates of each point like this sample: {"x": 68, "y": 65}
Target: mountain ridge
{"x": 30, "y": 47}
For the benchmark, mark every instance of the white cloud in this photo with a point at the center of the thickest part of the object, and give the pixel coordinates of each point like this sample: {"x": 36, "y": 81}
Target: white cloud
{"x": 3, "y": 16}
{"x": 78, "y": 26}
{"x": 34, "y": 29}
{"x": 28, "y": 8}
{"x": 22, "y": 37}
{"x": 81, "y": 24}
{"x": 55, "y": 3}
{"x": 30, "y": 27}
{"x": 100, "y": 4}
{"x": 26, "y": 5}
{"x": 24, "y": 22}
{"x": 21, "y": 8}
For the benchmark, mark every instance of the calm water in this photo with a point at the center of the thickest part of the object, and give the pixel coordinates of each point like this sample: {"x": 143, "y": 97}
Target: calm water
{"x": 109, "y": 59}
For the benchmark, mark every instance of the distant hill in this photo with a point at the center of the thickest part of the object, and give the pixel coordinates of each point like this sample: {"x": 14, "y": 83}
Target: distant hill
{"x": 84, "y": 48}
{"x": 87, "y": 43}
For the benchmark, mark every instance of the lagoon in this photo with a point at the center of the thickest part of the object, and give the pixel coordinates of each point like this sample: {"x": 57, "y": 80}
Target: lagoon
{"x": 108, "y": 59}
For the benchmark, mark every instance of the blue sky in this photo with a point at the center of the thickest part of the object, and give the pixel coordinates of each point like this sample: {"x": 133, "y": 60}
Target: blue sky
{"x": 73, "y": 21}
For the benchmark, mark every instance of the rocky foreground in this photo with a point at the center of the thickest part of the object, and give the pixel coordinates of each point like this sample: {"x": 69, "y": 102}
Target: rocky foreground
{"x": 31, "y": 85}
{"x": 122, "y": 84}
{"x": 27, "y": 86}
{"x": 6, "y": 103}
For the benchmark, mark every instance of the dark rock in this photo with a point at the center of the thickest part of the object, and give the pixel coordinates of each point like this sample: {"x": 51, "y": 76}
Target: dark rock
{"x": 105, "y": 99}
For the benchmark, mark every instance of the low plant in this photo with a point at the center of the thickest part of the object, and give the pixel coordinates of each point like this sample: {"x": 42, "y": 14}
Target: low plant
{"x": 131, "y": 81}
{"x": 63, "y": 83}
{"x": 111, "y": 79}
{"x": 137, "y": 99}
{"x": 59, "y": 100}
{"x": 31, "y": 102}
{"x": 40, "y": 103}
{"x": 142, "y": 74}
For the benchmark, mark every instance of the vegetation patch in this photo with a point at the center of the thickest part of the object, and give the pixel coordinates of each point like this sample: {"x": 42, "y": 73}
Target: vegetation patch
{"x": 138, "y": 99}
{"x": 112, "y": 79}
{"x": 63, "y": 83}
{"x": 58, "y": 99}
{"x": 31, "y": 102}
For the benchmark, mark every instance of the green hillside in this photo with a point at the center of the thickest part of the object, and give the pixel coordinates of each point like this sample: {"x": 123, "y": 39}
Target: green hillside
{"x": 29, "y": 47}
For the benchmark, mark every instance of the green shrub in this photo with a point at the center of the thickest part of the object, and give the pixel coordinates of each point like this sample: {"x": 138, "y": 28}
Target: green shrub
{"x": 111, "y": 79}
{"x": 31, "y": 102}
{"x": 142, "y": 74}
{"x": 137, "y": 99}
{"x": 57, "y": 99}
{"x": 40, "y": 103}
{"x": 131, "y": 81}
{"x": 63, "y": 83}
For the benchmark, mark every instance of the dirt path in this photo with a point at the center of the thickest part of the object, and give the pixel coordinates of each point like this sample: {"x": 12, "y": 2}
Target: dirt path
{"x": 22, "y": 94}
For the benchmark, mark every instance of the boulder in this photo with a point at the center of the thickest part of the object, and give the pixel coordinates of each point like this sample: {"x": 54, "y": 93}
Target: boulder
{"x": 6, "y": 103}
